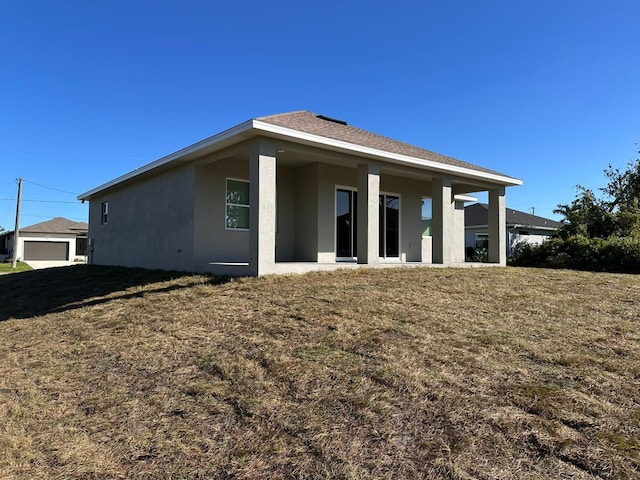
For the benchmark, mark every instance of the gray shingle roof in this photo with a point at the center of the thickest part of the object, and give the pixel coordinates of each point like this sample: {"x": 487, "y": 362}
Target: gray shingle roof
{"x": 308, "y": 122}
{"x": 57, "y": 225}
{"x": 478, "y": 215}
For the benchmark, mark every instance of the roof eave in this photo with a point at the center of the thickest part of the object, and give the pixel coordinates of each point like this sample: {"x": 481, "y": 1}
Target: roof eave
{"x": 208, "y": 142}
{"x": 516, "y": 225}
{"x": 259, "y": 127}
{"x": 384, "y": 155}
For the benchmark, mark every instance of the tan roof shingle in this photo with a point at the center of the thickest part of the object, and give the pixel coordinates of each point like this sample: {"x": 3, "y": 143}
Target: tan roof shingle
{"x": 57, "y": 225}
{"x": 308, "y": 122}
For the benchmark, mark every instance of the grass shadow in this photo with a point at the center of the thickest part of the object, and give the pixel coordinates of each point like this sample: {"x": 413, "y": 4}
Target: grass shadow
{"x": 38, "y": 292}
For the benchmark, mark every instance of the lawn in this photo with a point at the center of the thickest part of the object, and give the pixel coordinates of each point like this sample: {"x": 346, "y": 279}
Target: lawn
{"x": 493, "y": 373}
{"x": 5, "y": 267}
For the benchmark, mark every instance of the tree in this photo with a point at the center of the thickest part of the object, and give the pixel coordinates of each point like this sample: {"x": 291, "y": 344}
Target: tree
{"x": 623, "y": 189}
{"x": 617, "y": 214}
{"x": 600, "y": 234}
{"x": 586, "y": 215}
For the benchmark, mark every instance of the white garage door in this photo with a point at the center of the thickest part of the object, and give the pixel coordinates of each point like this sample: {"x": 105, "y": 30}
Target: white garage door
{"x": 46, "y": 250}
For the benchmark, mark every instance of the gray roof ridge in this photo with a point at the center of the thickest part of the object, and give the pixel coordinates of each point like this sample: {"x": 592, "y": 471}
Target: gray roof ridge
{"x": 275, "y": 115}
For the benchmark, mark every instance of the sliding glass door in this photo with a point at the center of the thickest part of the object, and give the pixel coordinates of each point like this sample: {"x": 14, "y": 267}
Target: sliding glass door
{"x": 346, "y": 224}
{"x": 389, "y": 230}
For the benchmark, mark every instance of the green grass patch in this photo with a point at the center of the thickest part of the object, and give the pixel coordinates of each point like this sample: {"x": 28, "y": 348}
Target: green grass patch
{"x": 5, "y": 267}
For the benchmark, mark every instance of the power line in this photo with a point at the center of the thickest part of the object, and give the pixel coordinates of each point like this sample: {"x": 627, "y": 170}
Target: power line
{"x": 40, "y": 201}
{"x": 50, "y": 188}
{"x": 49, "y": 216}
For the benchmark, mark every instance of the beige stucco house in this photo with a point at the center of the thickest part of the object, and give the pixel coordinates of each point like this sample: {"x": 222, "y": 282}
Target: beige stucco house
{"x": 292, "y": 192}
{"x": 55, "y": 240}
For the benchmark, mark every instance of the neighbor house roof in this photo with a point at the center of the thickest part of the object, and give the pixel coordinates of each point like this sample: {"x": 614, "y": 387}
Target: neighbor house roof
{"x": 57, "y": 225}
{"x": 320, "y": 131}
{"x": 477, "y": 215}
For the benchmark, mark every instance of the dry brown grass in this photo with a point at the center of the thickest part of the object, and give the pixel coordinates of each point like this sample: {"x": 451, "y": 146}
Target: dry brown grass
{"x": 399, "y": 373}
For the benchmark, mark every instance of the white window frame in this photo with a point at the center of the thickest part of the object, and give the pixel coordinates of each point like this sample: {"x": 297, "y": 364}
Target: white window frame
{"x": 241, "y": 205}
{"x": 104, "y": 213}
{"x": 482, "y": 236}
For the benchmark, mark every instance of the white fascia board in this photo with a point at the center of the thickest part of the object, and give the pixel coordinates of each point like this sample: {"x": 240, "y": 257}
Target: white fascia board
{"x": 465, "y": 198}
{"x": 383, "y": 155}
{"x": 532, "y": 227}
{"x": 512, "y": 226}
{"x": 227, "y": 134}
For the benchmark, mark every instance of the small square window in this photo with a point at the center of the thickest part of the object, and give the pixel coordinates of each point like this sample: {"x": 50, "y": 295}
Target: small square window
{"x": 482, "y": 240}
{"x": 237, "y": 205}
{"x": 105, "y": 213}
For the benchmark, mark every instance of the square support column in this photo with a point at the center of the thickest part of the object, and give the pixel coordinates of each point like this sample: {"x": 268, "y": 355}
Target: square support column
{"x": 497, "y": 226}
{"x": 457, "y": 240}
{"x": 262, "y": 207}
{"x": 368, "y": 214}
{"x": 442, "y": 220}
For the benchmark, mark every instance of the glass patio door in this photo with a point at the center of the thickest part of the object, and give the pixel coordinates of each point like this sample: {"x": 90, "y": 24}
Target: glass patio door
{"x": 346, "y": 224}
{"x": 389, "y": 230}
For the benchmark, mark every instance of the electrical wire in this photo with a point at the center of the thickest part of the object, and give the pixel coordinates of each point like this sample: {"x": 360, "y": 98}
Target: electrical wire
{"x": 49, "y": 216}
{"x": 39, "y": 201}
{"x": 50, "y": 188}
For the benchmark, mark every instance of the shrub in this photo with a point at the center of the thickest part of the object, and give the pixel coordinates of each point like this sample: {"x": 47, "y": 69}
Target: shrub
{"x": 613, "y": 254}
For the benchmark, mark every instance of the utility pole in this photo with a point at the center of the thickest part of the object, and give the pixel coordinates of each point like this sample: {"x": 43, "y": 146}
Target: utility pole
{"x": 14, "y": 260}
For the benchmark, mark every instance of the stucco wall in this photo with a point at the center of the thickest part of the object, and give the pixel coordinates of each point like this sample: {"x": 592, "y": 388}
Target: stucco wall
{"x": 212, "y": 241}
{"x": 306, "y": 214}
{"x": 427, "y": 250}
{"x": 534, "y": 237}
{"x": 286, "y": 214}
{"x": 150, "y": 223}
{"x": 458, "y": 240}
{"x": 296, "y": 233}
{"x": 176, "y": 220}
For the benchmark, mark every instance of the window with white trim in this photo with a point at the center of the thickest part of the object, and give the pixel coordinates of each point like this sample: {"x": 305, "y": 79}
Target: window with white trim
{"x": 237, "y": 205}
{"x": 482, "y": 240}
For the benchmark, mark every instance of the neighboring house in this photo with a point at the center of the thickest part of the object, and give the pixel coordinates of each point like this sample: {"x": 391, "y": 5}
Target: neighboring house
{"x": 520, "y": 227}
{"x": 292, "y": 192}
{"x": 54, "y": 240}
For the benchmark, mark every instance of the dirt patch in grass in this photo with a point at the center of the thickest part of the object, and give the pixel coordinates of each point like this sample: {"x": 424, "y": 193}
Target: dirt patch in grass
{"x": 395, "y": 373}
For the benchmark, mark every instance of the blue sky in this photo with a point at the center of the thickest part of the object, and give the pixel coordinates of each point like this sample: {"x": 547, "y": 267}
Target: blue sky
{"x": 542, "y": 90}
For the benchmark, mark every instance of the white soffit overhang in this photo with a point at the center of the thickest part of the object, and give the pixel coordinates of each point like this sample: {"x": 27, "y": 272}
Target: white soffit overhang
{"x": 382, "y": 155}
{"x": 216, "y": 142}
{"x": 251, "y": 128}
{"x": 465, "y": 198}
